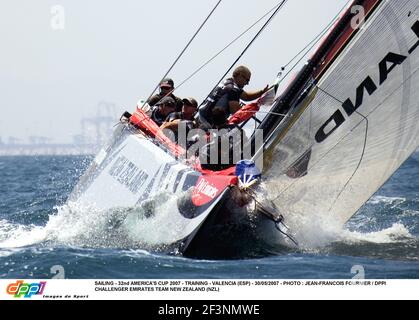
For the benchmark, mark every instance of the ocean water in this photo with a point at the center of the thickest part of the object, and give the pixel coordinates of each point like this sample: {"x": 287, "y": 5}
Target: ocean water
{"x": 40, "y": 234}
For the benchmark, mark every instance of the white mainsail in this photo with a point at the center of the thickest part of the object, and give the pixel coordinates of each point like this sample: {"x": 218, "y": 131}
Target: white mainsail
{"x": 358, "y": 124}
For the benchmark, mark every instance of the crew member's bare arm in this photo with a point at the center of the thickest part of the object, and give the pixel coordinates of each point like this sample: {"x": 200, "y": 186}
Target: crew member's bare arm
{"x": 234, "y": 106}
{"x": 173, "y": 125}
{"x": 250, "y": 96}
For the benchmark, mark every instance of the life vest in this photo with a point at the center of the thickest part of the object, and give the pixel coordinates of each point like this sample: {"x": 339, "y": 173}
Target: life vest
{"x": 157, "y": 97}
{"x": 157, "y": 117}
{"x": 219, "y": 93}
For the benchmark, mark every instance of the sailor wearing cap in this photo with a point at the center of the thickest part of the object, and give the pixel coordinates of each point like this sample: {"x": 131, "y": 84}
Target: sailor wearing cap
{"x": 166, "y": 90}
{"x": 164, "y": 107}
{"x": 190, "y": 106}
{"x": 180, "y": 123}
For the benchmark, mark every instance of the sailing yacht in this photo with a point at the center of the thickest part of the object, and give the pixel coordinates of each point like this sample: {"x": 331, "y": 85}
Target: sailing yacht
{"x": 330, "y": 140}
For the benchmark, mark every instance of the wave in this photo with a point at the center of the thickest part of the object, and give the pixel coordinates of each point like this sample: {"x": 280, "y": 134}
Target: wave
{"x": 387, "y": 200}
{"x": 75, "y": 225}
{"x": 142, "y": 228}
{"x": 395, "y": 234}
{"x": 383, "y": 220}
{"x": 17, "y": 235}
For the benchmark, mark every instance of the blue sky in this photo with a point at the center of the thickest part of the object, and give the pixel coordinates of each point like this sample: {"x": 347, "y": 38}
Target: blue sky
{"x": 116, "y": 51}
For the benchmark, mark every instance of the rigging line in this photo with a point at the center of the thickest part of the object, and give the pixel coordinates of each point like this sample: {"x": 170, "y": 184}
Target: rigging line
{"x": 320, "y": 35}
{"x": 302, "y": 57}
{"x": 313, "y": 44}
{"x": 363, "y": 148}
{"x": 315, "y": 40}
{"x": 226, "y": 47}
{"x": 267, "y": 112}
{"x": 276, "y": 220}
{"x": 332, "y": 148}
{"x": 278, "y": 8}
{"x": 360, "y": 160}
{"x": 340, "y": 140}
{"x": 367, "y": 127}
{"x": 286, "y": 234}
{"x": 183, "y": 51}
{"x": 330, "y": 95}
{"x": 279, "y": 220}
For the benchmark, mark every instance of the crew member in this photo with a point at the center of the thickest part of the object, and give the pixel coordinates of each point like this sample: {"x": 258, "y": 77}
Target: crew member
{"x": 167, "y": 87}
{"x": 166, "y": 106}
{"x": 183, "y": 119}
{"x": 227, "y": 96}
{"x": 189, "y": 108}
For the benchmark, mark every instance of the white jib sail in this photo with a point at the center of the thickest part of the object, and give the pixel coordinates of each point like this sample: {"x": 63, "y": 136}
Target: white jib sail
{"x": 360, "y": 124}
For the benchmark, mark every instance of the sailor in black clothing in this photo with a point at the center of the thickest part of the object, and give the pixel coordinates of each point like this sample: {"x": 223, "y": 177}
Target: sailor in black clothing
{"x": 190, "y": 105}
{"x": 182, "y": 121}
{"x": 227, "y": 96}
{"x": 226, "y": 144}
{"x": 166, "y": 90}
{"x": 166, "y": 106}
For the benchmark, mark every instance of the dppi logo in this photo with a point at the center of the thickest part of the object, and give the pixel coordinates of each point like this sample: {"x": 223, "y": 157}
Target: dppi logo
{"x": 27, "y": 290}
